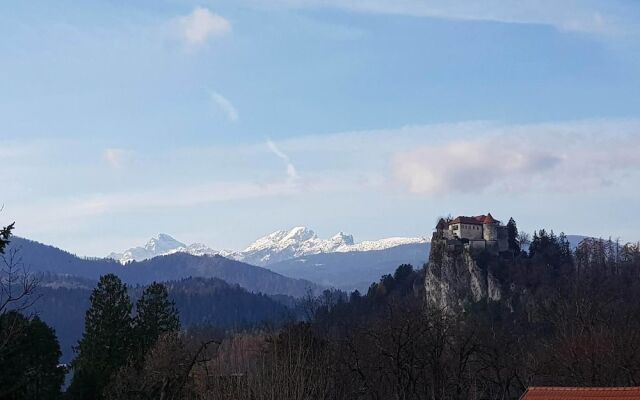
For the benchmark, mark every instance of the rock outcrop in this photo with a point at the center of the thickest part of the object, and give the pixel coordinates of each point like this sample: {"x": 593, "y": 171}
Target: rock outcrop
{"x": 458, "y": 275}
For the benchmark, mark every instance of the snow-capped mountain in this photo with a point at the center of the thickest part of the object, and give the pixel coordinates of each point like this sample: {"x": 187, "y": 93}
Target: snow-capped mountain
{"x": 301, "y": 241}
{"x": 273, "y": 248}
{"x": 161, "y": 245}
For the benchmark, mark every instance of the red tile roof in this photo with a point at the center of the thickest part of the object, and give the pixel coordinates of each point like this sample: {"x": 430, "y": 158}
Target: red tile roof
{"x": 478, "y": 220}
{"x": 574, "y": 393}
{"x": 489, "y": 219}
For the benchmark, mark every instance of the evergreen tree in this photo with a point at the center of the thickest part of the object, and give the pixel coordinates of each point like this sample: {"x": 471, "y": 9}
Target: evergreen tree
{"x": 29, "y": 362}
{"x": 156, "y": 315}
{"x": 106, "y": 341}
{"x": 5, "y": 234}
{"x": 512, "y": 234}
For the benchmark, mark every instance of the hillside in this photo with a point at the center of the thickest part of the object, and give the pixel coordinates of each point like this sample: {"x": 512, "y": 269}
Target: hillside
{"x": 199, "y": 301}
{"x": 183, "y": 265}
{"x": 37, "y": 257}
{"x": 355, "y": 269}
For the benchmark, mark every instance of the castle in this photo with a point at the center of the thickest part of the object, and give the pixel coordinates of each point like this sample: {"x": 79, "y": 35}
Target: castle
{"x": 481, "y": 232}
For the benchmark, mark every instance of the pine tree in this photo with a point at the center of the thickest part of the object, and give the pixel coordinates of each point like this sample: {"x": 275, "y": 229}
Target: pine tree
{"x": 29, "y": 362}
{"x": 5, "y": 234}
{"x": 156, "y": 315}
{"x": 106, "y": 341}
{"x": 512, "y": 234}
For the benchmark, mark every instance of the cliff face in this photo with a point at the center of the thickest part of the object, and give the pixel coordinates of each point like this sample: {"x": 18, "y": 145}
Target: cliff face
{"x": 457, "y": 276}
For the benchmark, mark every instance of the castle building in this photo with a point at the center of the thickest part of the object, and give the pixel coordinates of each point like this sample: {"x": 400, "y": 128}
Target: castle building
{"x": 481, "y": 232}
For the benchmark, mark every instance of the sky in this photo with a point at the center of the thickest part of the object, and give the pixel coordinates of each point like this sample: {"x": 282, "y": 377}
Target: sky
{"x": 221, "y": 121}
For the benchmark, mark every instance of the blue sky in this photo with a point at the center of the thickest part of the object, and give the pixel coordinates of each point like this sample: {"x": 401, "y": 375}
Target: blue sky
{"x": 221, "y": 121}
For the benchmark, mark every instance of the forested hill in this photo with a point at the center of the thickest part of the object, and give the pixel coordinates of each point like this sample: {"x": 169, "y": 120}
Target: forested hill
{"x": 181, "y": 265}
{"x": 563, "y": 318}
{"x": 199, "y": 301}
{"x": 38, "y": 257}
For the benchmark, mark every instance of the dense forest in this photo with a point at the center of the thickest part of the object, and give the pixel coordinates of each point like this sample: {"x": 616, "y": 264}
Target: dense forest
{"x": 199, "y": 301}
{"x": 572, "y": 318}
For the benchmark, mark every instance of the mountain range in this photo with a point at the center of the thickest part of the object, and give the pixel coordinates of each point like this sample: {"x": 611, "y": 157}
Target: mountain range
{"x": 299, "y": 253}
{"x": 273, "y": 248}
{"x": 37, "y": 258}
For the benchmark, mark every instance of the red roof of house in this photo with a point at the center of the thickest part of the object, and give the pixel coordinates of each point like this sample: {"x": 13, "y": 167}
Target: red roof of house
{"x": 477, "y": 220}
{"x": 575, "y": 393}
{"x": 489, "y": 219}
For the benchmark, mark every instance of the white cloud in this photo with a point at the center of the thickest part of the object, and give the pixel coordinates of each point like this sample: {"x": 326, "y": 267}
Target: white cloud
{"x": 226, "y": 106}
{"x": 292, "y": 173}
{"x": 201, "y": 25}
{"x": 590, "y": 16}
{"x": 566, "y": 157}
{"x": 118, "y": 158}
{"x": 469, "y": 166}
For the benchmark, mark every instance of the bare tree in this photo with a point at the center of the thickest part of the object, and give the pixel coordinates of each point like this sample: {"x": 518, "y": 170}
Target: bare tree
{"x": 524, "y": 239}
{"x": 167, "y": 372}
{"x": 17, "y": 285}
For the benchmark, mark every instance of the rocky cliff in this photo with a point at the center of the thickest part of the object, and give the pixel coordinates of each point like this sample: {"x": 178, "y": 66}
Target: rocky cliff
{"x": 457, "y": 275}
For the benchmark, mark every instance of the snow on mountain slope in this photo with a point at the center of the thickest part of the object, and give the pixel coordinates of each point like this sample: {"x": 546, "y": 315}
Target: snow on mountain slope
{"x": 161, "y": 245}
{"x": 301, "y": 241}
{"x": 272, "y": 248}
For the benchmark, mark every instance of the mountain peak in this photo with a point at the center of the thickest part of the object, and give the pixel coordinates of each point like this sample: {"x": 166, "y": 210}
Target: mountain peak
{"x": 300, "y": 233}
{"x": 342, "y": 238}
{"x": 160, "y": 245}
{"x": 163, "y": 243}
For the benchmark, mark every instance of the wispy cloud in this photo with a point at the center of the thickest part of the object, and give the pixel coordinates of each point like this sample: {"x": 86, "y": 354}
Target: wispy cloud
{"x": 292, "y": 173}
{"x": 118, "y": 158}
{"x": 202, "y": 25}
{"x": 570, "y": 15}
{"x": 225, "y": 105}
{"x": 69, "y": 213}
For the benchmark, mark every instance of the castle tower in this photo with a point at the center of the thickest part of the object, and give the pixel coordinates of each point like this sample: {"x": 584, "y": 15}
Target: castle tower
{"x": 489, "y": 228}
